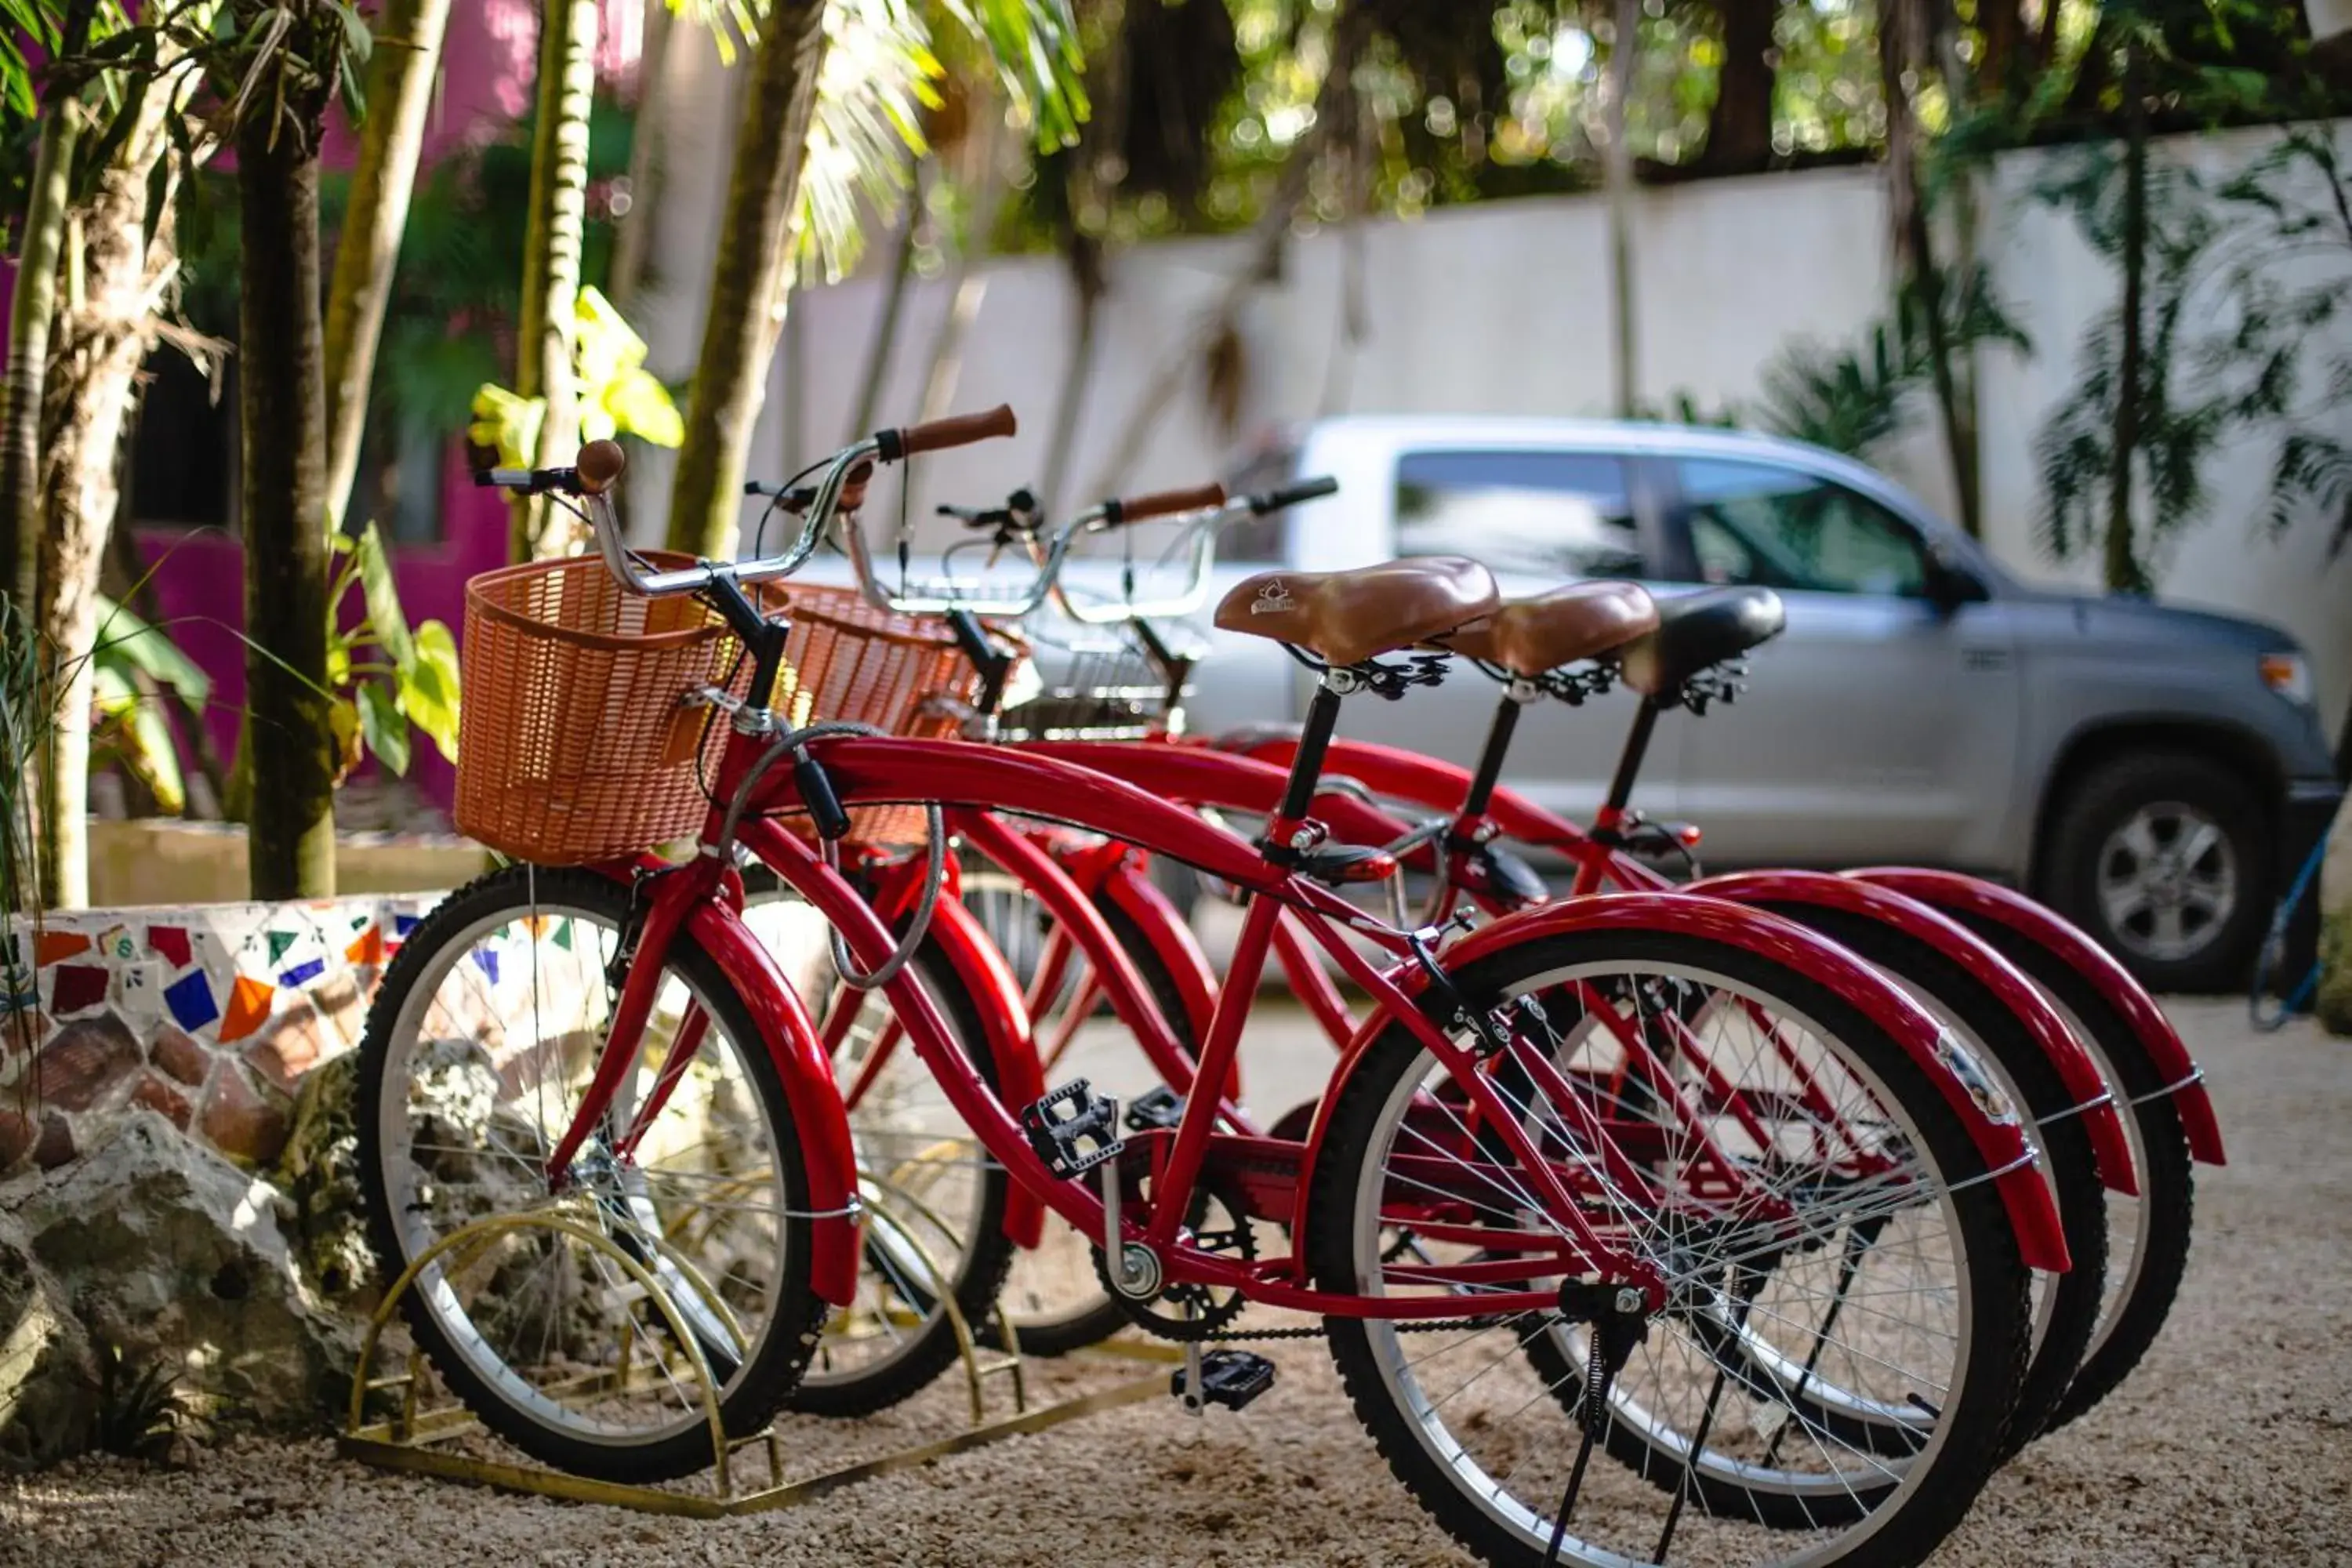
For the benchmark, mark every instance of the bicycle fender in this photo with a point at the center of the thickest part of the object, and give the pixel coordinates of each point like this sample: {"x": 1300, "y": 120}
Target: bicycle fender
{"x": 1992, "y": 1123}
{"x": 983, "y": 972}
{"x": 810, "y": 1092}
{"x": 1985, "y": 905}
{"x": 2076, "y": 1068}
{"x": 1131, "y": 890}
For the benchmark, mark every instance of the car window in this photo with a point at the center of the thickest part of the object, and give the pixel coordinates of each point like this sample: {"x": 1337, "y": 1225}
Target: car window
{"x": 1778, "y": 528}
{"x": 1545, "y": 514}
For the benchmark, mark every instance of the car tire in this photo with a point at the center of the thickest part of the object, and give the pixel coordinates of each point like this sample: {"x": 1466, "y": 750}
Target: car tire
{"x": 2165, "y": 858}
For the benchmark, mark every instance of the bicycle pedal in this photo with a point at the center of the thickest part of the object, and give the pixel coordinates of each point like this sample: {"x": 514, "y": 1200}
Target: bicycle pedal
{"x": 1230, "y": 1378}
{"x": 1161, "y": 1107}
{"x": 1073, "y": 1129}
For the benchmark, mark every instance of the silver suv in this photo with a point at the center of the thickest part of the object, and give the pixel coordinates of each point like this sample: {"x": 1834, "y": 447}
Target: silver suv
{"x": 2143, "y": 769}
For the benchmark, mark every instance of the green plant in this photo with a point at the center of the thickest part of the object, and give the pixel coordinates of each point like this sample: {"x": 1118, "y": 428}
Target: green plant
{"x": 386, "y": 678}
{"x": 139, "y": 1413}
{"x": 136, "y": 665}
{"x": 617, "y": 395}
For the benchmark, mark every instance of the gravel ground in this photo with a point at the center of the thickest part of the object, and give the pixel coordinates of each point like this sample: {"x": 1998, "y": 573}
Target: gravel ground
{"x": 2233, "y": 1444}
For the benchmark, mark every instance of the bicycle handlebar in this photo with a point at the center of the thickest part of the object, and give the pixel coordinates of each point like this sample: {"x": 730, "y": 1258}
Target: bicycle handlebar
{"x": 1165, "y": 503}
{"x": 1291, "y": 495}
{"x": 937, "y": 435}
{"x": 602, "y": 463}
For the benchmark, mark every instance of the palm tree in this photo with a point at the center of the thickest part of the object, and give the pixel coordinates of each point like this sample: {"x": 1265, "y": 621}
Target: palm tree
{"x": 836, "y": 89}
{"x": 33, "y": 303}
{"x": 104, "y": 332}
{"x": 402, "y": 69}
{"x": 552, "y": 248}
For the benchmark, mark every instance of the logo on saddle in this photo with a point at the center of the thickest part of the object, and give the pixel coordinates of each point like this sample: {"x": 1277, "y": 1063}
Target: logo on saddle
{"x": 1272, "y": 599}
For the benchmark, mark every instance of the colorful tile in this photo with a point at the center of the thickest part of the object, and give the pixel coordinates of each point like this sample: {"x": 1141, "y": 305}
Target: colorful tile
{"x": 280, "y": 943}
{"x": 50, "y": 946}
{"x": 303, "y": 973}
{"x": 248, "y": 1008}
{"x": 170, "y": 943}
{"x": 77, "y": 988}
{"x": 190, "y": 1001}
{"x": 368, "y": 946}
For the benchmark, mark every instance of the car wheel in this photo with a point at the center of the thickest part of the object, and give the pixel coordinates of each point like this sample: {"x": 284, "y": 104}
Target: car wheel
{"x": 2164, "y": 857}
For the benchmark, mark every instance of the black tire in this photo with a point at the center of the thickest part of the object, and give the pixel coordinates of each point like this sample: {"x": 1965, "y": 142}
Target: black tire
{"x": 1907, "y": 1522}
{"x": 2068, "y": 1159}
{"x": 1100, "y": 1319}
{"x": 2168, "y": 1182}
{"x": 984, "y": 1258}
{"x": 2107, "y": 797}
{"x": 767, "y": 1377}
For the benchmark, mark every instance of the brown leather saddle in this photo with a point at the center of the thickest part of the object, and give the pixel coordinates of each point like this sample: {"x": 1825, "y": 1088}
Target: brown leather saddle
{"x": 1347, "y": 617}
{"x": 1529, "y": 636}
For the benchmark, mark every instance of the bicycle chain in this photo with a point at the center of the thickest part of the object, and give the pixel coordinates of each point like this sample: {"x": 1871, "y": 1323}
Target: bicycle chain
{"x": 1435, "y": 1325}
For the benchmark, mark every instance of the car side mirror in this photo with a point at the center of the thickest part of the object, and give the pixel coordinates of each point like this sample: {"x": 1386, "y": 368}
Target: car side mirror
{"x": 1950, "y": 582}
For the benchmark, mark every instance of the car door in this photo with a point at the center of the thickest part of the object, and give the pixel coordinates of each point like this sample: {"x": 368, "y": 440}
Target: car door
{"x": 1536, "y": 518}
{"x": 1883, "y": 721}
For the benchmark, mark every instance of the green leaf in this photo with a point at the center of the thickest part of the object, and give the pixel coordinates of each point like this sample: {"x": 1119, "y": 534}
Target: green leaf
{"x": 430, "y": 688}
{"x": 384, "y": 726}
{"x": 121, "y": 635}
{"x": 382, "y": 595}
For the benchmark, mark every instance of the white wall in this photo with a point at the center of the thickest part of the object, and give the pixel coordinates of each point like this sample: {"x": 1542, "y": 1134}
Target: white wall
{"x": 1498, "y": 308}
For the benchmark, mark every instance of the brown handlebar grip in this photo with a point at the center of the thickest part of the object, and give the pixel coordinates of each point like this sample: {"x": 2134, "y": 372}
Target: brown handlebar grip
{"x": 1166, "y": 504}
{"x": 599, "y": 465}
{"x": 956, "y": 430}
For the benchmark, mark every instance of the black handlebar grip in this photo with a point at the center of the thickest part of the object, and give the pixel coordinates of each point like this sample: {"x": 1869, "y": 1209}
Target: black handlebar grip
{"x": 815, "y": 788}
{"x": 1291, "y": 495}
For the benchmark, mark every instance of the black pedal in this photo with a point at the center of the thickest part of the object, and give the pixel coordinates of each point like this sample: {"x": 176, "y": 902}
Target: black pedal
{"x": 1162, "y": 1108}
{"x": 1230, "y": 1378}
{"x": 1073, "y": 1129}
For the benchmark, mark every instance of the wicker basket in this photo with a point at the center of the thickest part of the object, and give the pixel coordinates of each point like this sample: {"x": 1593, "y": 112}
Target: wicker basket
{"x": 845, "y": 659}
{"x": 574, "y": 745}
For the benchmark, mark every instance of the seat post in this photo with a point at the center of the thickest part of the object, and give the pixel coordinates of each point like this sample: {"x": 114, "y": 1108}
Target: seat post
{"x": 1629, "y": 766}
{"x": 1314, "y": 740}
{"x": 1498, "y": 745}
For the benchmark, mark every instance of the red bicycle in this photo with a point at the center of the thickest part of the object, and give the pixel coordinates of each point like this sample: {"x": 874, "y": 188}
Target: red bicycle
{"x": 1579, "y": 1257}
{"x": 2090, "y": 1328}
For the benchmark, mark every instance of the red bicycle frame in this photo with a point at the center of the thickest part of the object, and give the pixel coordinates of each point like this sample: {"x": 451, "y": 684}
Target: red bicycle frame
{"x": 703, "y": 896}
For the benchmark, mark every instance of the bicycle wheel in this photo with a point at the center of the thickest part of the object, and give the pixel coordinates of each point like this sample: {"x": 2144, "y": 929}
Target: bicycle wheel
{"x": 1054, "y": 1296}
{"x": 2147, "y": 1235}
{"x": 2066, "y": 1306}
{"x": 935, "y": 1205}
{"x": 1819, "y": 1114}
{"x": 478, "y": 1048}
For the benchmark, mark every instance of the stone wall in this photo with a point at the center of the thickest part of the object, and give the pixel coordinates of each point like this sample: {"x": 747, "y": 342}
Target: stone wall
{"x": 205, "y": 1015}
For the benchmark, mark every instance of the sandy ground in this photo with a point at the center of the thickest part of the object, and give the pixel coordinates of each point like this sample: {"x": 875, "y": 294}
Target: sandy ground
{"x": 2233, "y": 1444}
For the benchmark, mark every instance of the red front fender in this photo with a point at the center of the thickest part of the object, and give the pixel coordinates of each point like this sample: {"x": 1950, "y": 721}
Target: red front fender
{"x": 1992, "y": 910}
{"x": 981, "y": 969}
{"x": 1999, "y": 1139}
{"x": 810, "y": 1092}
{"x": 2080, "y": 1073}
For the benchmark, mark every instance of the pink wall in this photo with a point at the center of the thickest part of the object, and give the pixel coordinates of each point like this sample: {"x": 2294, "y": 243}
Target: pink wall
{"x": 488, "y": 67}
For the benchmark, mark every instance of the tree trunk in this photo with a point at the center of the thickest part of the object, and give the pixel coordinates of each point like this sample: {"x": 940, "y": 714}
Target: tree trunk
{"x": 1351, "y": 31}
{"x": 101, "y": 339}
{"x": 2004, "y": 26}
{"x": 633, "y": 238}
{"x": 2124, "y": 572}
{"x": 967, "y": 284}
{"x": 1624, "y": 342}
{"x": 894, "y": 304}
{"x": 401, "y": 72}
{"x": 32, "y": 306}
{"x": 282, "y": 410}
{"x": 749, "y": 280}
{"x": 1740, "y": 126}
{"x": 1078, "y": 373}
{"x": 551, "y": 257}
{"x": 1903, "y": 44}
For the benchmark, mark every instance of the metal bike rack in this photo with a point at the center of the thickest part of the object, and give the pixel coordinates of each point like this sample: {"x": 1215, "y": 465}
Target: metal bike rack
{"x": 419, "y": 1441}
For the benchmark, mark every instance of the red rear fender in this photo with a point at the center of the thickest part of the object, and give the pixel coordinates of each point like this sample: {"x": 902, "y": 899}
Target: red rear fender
{"x": 1991, "y": 909}
{"x": 1993, "y": 1128}
{"x": 2077, "y": 1068}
